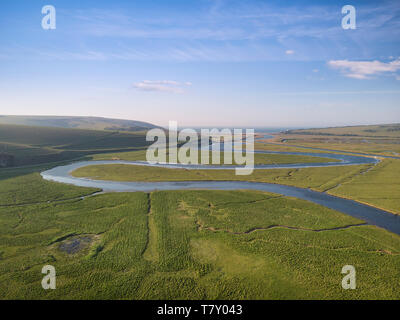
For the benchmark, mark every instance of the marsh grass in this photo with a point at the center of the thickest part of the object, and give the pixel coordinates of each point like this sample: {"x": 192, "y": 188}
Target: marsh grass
{"x": 379, "y": 186}
{"x": 259, "y": 158}
{"x": 200, "y": 248}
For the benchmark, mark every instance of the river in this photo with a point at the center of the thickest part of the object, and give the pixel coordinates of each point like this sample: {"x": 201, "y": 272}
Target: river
{"x": 369, "y": 214}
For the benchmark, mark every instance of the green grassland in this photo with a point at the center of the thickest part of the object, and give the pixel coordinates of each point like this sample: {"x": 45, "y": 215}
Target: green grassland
{"x": 188, "y": 244}
{"x": 373, "y": 139}
{"x": 194, "y": 245}
{"x": 30, "y": 238}
{"x": 379, "y": 186}
{"x": 259, "y": 158}
{"x": 36, "y": 145}
{"x": 374, "y": 185}
{"x": 281, "y": 147}
{"x": 319, "y": 179}
{"x": 348, "y": 145}
{"x": 323, "y": 146}
{"x": 25, "y": 186}
{"x": 386, "y": 130}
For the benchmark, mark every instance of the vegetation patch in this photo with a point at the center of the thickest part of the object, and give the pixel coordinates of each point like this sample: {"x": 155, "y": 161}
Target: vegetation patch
{"x": 191, "y": 244}
{"x": 374, "y": 139}
{"x": 315, "y": 178}
{"x": 172, "y": 258}
{"x": 379, "y": 186}
{"x": 25, "y": 186}
{"x": 376, "y": 185}
{"x": 259, "y": 158}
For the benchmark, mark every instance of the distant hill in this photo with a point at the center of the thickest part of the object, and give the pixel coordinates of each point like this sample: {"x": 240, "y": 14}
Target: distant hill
{"x": 94, "y": 123}
{"x": 384, "y": 130}
{"x": 28, "y": 145}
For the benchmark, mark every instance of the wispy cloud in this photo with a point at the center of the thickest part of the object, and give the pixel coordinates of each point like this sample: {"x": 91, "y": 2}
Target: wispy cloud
{"x": 365, "y": 69}
{"x": 161, "y": 86}
{"x": 221, "y": 30}
{"x": 237, "y": 20}
{"x": 335, "y": 93}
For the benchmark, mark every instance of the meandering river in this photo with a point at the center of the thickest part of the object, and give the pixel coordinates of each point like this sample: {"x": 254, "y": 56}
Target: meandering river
{"x": 369, "y": 214}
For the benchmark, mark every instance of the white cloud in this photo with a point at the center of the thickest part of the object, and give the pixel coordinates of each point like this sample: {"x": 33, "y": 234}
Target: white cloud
{"x": 364, "y": 69}
{"x": 161, "y": 86}
{"x": 289, "y": 51}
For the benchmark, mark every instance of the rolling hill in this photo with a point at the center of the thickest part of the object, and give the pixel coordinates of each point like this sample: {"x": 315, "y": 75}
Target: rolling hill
{"x": 383, "y": 130}
{"x": 93, "y": 123}
{"x": 29, "y": 145}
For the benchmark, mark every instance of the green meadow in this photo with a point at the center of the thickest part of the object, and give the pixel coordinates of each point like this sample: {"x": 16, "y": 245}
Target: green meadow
{"x": 259, "y": 158}
{"x": 193, "y": 245}
{"x": 373, "y": 139}
{"x": 26, "y": 186}
{"x": 187, "y": 244}
{"x": 385, "y": 130}
{"x": 379, "y": 186}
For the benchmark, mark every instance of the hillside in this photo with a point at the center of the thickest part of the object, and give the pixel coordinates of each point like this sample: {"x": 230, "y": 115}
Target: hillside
{"x": 93, "y": 123}
{"x": 384, "y": 130}
{"x": 27, "y": 145}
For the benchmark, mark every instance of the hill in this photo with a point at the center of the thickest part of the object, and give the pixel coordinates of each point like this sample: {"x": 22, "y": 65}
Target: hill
{"x": 93, "y": 123}
{"x": 27, "y": 145}
{"x": 384, "y": 130}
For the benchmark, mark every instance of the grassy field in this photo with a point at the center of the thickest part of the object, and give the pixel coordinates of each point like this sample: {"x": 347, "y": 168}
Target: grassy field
{"x": 373, "y": 139}
{"x": 258, "y": 158}
{"x": 187, "y": 244}
{"x": 319, "y": 179}
{"x": 26, "y": 186}
{"x": 193, "y": 245}
{"x": 386, "y": 130}
{"x": 35, "y": 145}
{"x": 379, "y": 186}
{"x": 31, "y": 237}
{"x": 283, "y": 148}
{"x": 348, "y": 145}
{"x": 392, "y": 150}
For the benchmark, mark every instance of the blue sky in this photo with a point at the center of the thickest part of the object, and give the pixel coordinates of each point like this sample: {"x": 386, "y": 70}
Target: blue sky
{"x": 203, "y": 63}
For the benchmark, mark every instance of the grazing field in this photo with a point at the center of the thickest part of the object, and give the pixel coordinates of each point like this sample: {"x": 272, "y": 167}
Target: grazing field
{"x": 193, "y": 245}
{"x": 259, "y": 158}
